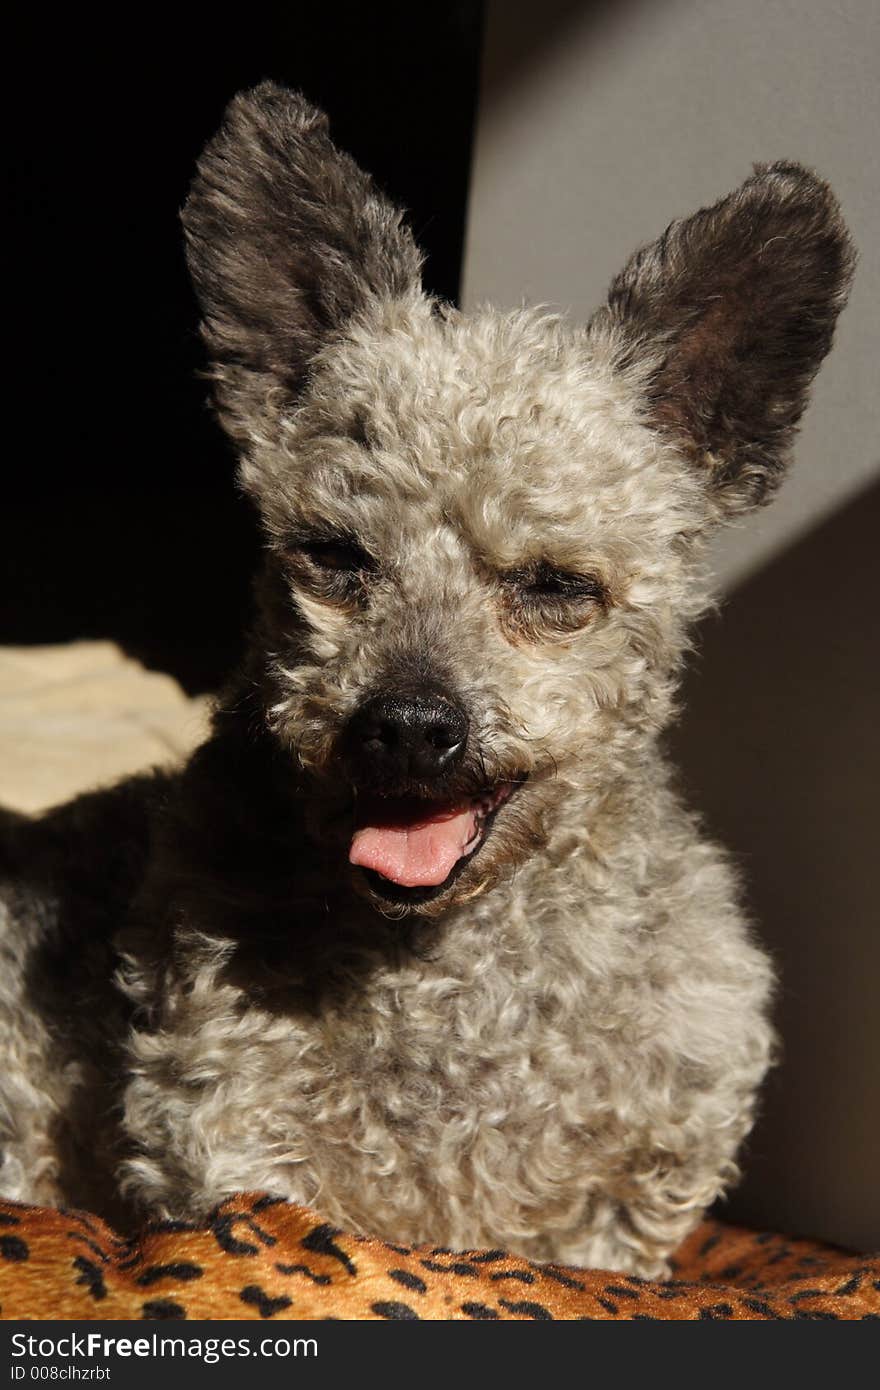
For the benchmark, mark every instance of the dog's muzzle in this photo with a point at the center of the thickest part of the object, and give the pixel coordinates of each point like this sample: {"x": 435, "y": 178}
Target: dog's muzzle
{"x": 415, "y": 822}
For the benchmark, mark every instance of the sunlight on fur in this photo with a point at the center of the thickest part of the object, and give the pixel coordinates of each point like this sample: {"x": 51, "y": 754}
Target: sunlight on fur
{"x": 423, "y": 936}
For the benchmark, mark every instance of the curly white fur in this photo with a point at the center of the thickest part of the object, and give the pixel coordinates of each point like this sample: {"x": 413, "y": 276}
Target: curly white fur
{"x": 559, "y": 1053}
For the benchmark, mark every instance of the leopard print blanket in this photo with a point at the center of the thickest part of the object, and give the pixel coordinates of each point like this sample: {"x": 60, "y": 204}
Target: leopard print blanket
{"x": 258, "y": 1257}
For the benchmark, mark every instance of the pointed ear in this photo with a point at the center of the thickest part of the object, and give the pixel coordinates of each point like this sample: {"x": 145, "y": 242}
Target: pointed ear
{"x": 730, "y": 314}
{"x": 286, "y": 240}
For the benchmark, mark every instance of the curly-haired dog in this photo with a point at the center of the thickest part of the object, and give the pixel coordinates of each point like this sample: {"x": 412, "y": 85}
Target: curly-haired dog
{"x": 423, "y": 936}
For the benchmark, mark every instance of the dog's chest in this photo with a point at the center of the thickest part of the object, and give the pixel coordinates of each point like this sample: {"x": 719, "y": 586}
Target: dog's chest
{"x": 455, "y": 1063}
{"x": 420, "y": 1040}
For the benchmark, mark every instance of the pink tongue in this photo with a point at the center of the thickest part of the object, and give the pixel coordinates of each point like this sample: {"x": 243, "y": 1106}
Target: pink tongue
{"x": 415, "y": 853}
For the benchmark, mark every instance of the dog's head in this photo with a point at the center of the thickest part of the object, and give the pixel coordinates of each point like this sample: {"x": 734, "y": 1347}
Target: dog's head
{"x": 484, "y": 533}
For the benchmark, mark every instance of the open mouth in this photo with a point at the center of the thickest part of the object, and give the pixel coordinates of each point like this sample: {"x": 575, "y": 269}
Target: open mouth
{"x": 411, "y": 850}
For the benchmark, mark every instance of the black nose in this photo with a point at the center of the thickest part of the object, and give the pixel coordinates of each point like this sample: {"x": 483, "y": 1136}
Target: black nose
{"x": 398, "y": 737}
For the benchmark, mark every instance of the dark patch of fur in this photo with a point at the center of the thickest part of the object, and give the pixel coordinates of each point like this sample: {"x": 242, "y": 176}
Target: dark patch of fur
{"x": 183, "y": 1271}
{"x": 266, "y": 1305}
{"x": 162, "y": 1309}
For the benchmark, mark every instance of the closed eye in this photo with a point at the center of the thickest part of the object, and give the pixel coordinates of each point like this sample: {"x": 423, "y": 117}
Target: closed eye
{"x": 543, "y": 602}
{"x": 544, "y": 581}
{"x": 335, "y": 568}
{"x": 337, "y": 556}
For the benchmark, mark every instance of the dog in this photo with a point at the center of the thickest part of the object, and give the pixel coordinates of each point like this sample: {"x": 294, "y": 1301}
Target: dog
{"x": 423, "y": 936}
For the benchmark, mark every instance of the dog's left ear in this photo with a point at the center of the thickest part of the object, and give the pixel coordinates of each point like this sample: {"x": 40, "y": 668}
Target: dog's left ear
{"x": 287, "y": 239}
{"x": 728, "y": 316}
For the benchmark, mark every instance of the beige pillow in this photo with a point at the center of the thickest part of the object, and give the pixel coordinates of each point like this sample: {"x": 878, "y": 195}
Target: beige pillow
{"x": 82, "y": 715}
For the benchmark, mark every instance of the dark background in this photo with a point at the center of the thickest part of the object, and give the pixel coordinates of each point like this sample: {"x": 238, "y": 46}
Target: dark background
{"x": 119, "y": 515}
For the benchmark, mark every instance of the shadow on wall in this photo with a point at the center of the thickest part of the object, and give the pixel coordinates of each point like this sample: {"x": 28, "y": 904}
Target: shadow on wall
{"x": 518, "y": 38}
{"x": 779, "y": 748}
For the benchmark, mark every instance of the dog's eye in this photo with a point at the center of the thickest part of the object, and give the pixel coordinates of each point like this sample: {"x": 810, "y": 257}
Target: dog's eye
{"x": 337, "y": 557}
{"x": 542, "y": 599}
{"x": 334, "y": 568}
{"x": 545, "y": 582}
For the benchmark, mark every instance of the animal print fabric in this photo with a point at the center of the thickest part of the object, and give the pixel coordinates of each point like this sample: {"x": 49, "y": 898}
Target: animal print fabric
{"x": 258, "y": 1257}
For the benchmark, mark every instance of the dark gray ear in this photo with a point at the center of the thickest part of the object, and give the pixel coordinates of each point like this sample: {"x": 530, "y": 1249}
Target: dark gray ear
{"x": 733, "y": 310}
{"x": 286, "y": 239}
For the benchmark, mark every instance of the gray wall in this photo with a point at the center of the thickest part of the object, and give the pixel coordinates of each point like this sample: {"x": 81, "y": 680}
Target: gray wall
{"x": 599, "y": 123}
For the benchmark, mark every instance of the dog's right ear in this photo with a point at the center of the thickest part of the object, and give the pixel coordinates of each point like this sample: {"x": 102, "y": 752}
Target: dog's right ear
{"x": 287, "y": 239}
